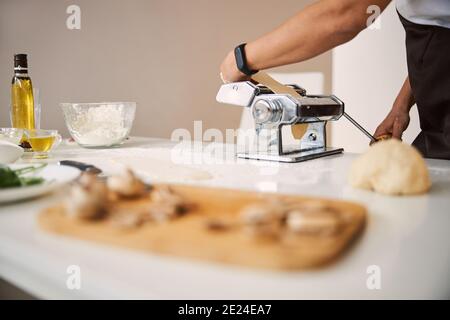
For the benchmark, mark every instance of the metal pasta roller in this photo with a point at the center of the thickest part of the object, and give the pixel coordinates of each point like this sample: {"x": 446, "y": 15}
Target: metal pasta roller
{"x": 272, "y": 112}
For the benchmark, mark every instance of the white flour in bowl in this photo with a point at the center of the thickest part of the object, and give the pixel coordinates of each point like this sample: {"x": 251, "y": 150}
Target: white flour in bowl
{"x": 102, "y": 125}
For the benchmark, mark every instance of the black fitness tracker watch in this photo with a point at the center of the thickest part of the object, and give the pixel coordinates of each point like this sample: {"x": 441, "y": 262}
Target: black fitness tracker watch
{"x": 241, "y": 60}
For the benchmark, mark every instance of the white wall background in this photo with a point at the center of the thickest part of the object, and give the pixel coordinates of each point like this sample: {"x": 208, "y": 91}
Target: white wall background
{"x": 367, "y": 74}
{"x": 163, "y": 54}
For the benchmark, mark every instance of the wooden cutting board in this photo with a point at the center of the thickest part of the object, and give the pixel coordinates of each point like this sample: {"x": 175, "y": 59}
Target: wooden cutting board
{"x": 189, "y": 237}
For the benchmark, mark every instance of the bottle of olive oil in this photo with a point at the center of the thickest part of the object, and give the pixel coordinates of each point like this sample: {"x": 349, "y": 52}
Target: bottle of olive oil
{"x": 22, "y": 102}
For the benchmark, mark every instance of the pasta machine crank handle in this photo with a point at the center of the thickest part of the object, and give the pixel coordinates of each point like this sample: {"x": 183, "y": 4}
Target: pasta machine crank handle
{"x": 357, "y": 125}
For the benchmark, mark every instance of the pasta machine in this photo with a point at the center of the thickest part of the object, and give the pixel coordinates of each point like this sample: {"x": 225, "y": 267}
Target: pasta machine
{"x": 272, "y": 112}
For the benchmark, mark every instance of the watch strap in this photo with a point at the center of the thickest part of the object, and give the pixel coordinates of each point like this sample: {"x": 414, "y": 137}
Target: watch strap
{"x": 241, "y": 60}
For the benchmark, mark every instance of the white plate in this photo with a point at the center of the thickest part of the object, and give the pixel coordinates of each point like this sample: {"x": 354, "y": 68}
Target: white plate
{"x": 55, "y": 176}
{"x": 9, "y": 152}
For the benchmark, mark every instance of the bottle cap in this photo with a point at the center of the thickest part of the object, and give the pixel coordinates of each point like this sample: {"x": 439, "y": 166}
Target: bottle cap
{"x": 20, "y": 61}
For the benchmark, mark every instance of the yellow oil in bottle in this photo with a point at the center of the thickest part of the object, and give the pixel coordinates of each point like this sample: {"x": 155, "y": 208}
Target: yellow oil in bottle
{"x": 41, "y": 144}
{"x": 22, "y": 101}
{"x": 22, "y": 108}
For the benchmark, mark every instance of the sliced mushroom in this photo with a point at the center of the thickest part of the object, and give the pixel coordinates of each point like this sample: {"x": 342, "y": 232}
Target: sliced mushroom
{"x": 162, "y": 212}
{"x": 257, "y": 215}
{"x": 312, "y": 222}
{"x": 166, "y": 194}
{"x": 262, "y": 220}
{"x": 127, "y": 185}
{"x": 87, "y": 198}
{"x": 166, "y": 197}
{"x": 87, "y": 179}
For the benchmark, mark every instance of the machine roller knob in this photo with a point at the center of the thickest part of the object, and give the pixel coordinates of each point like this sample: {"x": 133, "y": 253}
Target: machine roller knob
{"x": 266, "y": 111}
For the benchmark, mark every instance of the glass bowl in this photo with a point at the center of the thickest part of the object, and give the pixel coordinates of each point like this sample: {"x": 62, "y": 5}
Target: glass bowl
{"x": 102, "y": 124}
{"x": 13, "y": 135}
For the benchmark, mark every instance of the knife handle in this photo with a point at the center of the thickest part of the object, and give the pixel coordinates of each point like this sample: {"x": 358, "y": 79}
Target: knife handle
{"x": 81, "y": 165}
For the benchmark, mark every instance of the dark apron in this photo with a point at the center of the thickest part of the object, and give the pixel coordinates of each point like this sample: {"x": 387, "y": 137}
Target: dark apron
{"x": 428, "y": 54}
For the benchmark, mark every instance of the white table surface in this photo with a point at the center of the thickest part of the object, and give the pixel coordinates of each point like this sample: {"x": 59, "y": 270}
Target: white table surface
{"x": 407, "y": 237}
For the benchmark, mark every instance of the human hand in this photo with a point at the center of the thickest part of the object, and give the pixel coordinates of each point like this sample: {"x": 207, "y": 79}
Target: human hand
{"x": 394, "y": 124}
{"x": 229, "y": 71}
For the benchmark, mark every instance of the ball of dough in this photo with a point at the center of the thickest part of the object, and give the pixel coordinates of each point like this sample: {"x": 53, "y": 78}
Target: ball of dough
{"x": 391, "y": 167}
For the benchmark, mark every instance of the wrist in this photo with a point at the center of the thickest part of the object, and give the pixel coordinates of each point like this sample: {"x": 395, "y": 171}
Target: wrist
{"x": 251, "y": 53}
{"x": 405, "y": 99}
{"x": 240, "y": 54}
{"x": 229, "y": 70}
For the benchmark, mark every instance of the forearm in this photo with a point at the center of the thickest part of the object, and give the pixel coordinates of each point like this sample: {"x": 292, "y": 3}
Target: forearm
{"x": 316, "y": 29}
{"x": 405, "y": 98}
